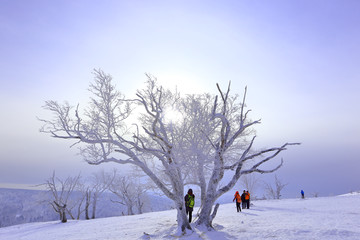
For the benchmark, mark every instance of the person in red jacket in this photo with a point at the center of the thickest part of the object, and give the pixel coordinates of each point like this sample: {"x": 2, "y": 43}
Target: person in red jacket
{"x": 237, "y": 197}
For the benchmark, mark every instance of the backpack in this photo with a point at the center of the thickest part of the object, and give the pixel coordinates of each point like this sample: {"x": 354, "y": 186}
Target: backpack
{"x": 190, "y": 202}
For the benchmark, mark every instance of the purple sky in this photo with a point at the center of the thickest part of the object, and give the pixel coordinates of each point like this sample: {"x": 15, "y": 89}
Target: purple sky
{"x": 299, "y": 59}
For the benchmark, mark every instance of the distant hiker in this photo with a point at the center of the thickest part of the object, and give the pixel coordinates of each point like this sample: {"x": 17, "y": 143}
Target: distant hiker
{"x": 238, "y": 201}
{"x": 189, "y": 203}
{"x": 302, "y": 194}
{"x": 247, "y": 199}
{"x": 243, "y": 200}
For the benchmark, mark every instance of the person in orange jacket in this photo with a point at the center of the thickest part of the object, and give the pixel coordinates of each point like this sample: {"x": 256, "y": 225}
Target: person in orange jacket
{"x": 247, "y": 199}
{"x": 238, "y": 201}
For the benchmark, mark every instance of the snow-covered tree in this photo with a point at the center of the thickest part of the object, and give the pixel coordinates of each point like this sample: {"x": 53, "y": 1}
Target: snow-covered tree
{"x": 250, "y": 182}
{"x": 274, "y": 192}
{"x": 99, "y": 183}
{"x": 83, "y": 205}
{"x": 110, "y": 135}
{"x": 230, "y": 151}
{"x": 61, "y": 190}
{"x": 209, "y": 138}
{"x": 129, "y": 192}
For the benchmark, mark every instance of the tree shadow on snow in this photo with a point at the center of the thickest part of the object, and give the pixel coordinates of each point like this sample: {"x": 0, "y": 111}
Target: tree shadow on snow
{"x": 214, "y": 234}
{"x": 251, "y": 214}
{"x": 169, "y": 233}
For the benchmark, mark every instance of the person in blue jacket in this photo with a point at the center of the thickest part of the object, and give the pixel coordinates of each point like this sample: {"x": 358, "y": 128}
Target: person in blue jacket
{"x": 302, "y": 194}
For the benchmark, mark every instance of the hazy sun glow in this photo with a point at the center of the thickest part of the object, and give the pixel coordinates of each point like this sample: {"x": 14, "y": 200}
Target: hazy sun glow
{"x": 172, "y": 115}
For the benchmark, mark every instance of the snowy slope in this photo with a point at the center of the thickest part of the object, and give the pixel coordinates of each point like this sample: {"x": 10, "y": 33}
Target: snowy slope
{"x": 316, "y": 218}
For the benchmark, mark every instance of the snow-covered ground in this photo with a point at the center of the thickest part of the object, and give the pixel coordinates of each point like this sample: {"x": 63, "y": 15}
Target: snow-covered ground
{"x": 315, "y": 218}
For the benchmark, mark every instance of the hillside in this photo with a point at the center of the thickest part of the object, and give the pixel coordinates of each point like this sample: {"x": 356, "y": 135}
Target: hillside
{"x": 19, "y": 206}
{"x": 315, "y": 218}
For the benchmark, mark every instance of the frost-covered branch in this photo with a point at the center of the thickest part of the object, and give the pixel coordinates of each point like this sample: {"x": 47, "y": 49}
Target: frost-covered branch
{"x": 227, "y": 142}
